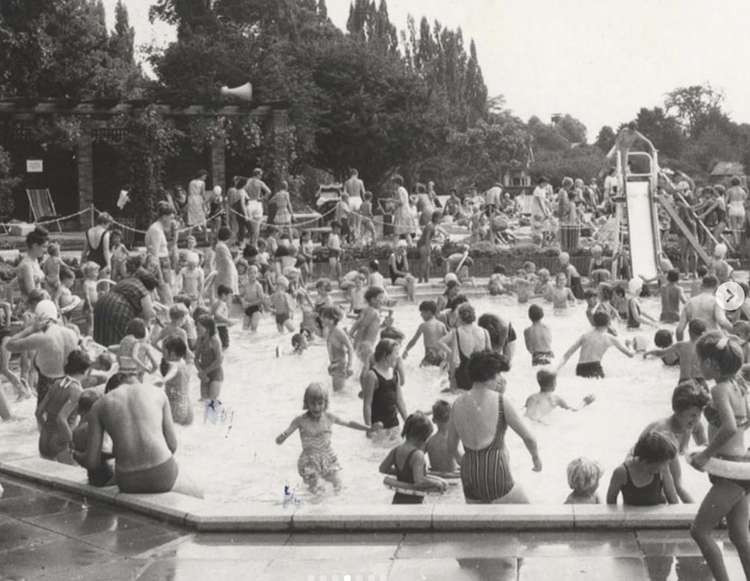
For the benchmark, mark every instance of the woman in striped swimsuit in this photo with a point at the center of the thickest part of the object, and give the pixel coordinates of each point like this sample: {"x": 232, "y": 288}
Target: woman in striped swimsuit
{"x": 479, "y": 419}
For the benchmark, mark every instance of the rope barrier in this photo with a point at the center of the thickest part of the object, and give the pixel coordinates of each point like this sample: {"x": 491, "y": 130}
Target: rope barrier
{"x": 54, "y": 220}
{"x": 279, "y": 227}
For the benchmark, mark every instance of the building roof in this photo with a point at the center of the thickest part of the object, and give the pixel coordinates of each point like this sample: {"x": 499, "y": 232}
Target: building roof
{"x": 728, "y": 168}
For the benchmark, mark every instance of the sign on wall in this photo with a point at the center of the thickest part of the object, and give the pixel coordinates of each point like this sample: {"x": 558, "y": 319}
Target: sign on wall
{"x": 34, "y": 166}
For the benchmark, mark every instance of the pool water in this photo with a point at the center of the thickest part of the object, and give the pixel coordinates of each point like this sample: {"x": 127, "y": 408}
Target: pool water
{"x": 237, "y": 460}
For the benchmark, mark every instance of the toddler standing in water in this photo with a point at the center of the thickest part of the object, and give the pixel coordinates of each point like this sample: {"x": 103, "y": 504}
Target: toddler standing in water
{"x": 407, "y": 461}
{"x": 208, "y": 360}
{"x": 720, "y": 359}
{"x": 318, "y": 460}
{"x": 583, "y": 479}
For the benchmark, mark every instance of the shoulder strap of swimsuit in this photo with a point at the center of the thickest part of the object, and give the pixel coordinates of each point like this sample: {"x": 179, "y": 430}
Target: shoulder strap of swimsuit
{"x": 627, "y": 475}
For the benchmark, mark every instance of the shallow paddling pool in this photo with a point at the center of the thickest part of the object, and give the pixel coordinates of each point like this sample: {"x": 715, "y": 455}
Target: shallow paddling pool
{"x": 237, "y": 460}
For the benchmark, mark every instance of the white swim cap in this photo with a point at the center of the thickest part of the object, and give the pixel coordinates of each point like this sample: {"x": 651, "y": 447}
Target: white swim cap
{"x": 720, "y": 250}
{"x": 46, "y": 309}
{"x": 451, "y": 276}
{"x": 192, "y": 258}
{"x": 635, "y": 285}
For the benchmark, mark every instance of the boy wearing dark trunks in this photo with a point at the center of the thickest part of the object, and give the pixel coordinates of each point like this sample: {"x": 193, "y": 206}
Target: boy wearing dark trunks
{"x": 672, "y": 296}
{"x": 432, "y": 330}
{"x": 438, "y": 452}
{"x": 593, "y": 346}
{"x": 366, "y": 329}
{"x": 538, "y": 338}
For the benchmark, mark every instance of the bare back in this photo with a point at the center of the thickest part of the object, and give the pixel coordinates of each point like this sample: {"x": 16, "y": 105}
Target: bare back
{"x": 703, "y": 307}
{"x": 134, "y": 417}
{"x": 594, "y": 346}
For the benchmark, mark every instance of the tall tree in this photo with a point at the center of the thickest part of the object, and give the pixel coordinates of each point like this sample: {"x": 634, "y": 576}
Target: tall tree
{"x": 606, "y": 138}
{"x": 189, "y": 16}
{"x": 122, "y": 41}
{"x": 571, "y": 128}
{"x": 691, "y": 105}
{"x": 663, "y": 130}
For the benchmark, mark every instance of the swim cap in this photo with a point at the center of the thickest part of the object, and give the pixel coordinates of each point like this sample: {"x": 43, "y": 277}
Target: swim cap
{"x": 450, "y": 277}
{"x": 46, "y": 309}
{"x": 635, "y": 285}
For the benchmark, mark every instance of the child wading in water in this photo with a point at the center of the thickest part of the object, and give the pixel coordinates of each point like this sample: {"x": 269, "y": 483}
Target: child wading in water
{"x": 538, "y": 338}
{"x": 318, "y": 460}
{"x": 690, "y": 367}
{"x": 177, "y": 380}
{"x": 561, "y": 295}
{"x": 541, "y": 404}
{"x": 208, "y": 360}
{"x": 441, "y": 460}
{"x": 721, "y": 358}
{"x": 644, "y": 479}
{"x": 340, "y": 351}
{"x": 593, "y": 346}
{"x": 253, "y": 299}
{"x": 583, "y": 479}
{"x": 382, "y": 382}
{"x": 432, "y": 330}
{"x": 407, "y": 461}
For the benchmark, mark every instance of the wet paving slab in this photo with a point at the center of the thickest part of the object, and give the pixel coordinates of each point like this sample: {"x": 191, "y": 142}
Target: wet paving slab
{"x": 50, "y": 535}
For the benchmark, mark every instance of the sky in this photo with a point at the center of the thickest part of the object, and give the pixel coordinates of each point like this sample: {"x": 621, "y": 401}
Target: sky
{"x": 598, "y": 60}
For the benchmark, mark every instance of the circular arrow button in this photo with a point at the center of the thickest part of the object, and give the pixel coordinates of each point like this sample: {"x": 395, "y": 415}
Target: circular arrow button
{"x": 730, "y": 296}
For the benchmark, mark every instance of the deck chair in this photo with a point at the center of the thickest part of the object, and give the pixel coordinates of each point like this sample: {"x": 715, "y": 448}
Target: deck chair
{"x": 42, "y": 206}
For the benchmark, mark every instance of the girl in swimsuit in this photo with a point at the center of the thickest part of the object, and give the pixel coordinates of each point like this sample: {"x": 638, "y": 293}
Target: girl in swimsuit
{"x": 383, "y": 397}
{"x": 407, "y": 461}
{"x": 479, "y": 419}
{"x": 645, "y": 479}
{"x": 318, "y": 460}
{"x": 720, "y": 359}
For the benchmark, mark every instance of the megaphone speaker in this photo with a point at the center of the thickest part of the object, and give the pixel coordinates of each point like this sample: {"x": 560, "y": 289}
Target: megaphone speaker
{"x": 244, "y": 92}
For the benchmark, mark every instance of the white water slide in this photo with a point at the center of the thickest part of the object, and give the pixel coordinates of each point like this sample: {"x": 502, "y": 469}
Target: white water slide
{"x": 642, "y": 229}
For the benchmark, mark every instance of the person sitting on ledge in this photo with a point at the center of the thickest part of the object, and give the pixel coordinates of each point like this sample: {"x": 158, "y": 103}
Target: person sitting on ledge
{"x": 139, "y": 421}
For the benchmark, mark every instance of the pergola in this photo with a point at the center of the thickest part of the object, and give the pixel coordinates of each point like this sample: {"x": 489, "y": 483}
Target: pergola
{"x": 96, "y": 119}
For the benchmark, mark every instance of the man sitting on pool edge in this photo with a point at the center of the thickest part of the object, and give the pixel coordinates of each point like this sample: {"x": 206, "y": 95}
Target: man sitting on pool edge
{"x": 139, "y": 421}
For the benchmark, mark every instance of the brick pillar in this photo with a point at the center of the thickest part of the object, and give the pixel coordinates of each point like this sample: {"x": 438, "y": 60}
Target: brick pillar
{"x": 85, "y": 155}
{"x": 218, "y": 164}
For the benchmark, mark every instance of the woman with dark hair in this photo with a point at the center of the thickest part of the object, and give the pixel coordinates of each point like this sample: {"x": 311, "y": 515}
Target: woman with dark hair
{"x": 502, "y": 335}
{"x": 479, "y": 419}
{"x": 29, "y": 272}
{"x": 96, "y": 244}
{"x": 463, "y": 341}
{"x": 128, "y": 299}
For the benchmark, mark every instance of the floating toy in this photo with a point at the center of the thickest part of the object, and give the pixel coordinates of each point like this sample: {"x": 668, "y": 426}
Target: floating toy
{"x": 735, "y": 467}
{"x": 404, "y": 487}
{"x": 446, "y": 475}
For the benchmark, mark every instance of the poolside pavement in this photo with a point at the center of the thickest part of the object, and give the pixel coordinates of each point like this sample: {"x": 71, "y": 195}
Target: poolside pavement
{"x": 52, "y": 535}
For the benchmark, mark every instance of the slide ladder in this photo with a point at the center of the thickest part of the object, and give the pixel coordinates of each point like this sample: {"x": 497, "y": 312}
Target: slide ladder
{"x": 672, "y": 211}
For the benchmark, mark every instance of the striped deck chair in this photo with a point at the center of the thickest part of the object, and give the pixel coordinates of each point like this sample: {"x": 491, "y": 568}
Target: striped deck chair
{"x": 42, "y": 206}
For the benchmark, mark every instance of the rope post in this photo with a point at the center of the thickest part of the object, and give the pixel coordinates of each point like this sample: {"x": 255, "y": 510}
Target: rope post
{"x": 92, "y": 215}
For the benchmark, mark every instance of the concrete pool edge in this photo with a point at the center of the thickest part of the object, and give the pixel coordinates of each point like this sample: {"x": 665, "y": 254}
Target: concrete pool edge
{"x": 206, "y": 516}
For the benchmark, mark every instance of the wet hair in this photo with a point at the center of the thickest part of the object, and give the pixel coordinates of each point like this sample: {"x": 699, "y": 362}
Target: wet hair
{"x": 417, "y": 427}
{"x": 496, "y": 329}
{"x": 297, "y": 340}
{"x": 373, "y": 265}
{"x": 333, "y": 313}
{"x": 323, "y": 283}
{"x": 428, "y": 306}
{"x": 584, "y": 474}
{"x": 663, "y": 338}
{"x": 223, "y": 290}
{"x": 224, "y": 234}
{"x": 605, "y": 291}
{"x": 441, "y": 411}
{"x": 175, "y": 345}
{"x": 600, "y": 320}
{"x": 373, "y": 292}
{"x": 499, "y": 269}
{"x": 736, "y": 181}
{"x": 115, "y": 381}
{"x": 137, "y": 328}
{"x": 66, "y": 273}
{"x": 315, "y": 392}
{"x": 655, "y": 447}
{"x": 673, "y": 275}
{"x": 536, "y": 313}
{"x": 147, "y": 279}
{"x": 589, "y": 294}
{"x": 466, "y": 313}
{"x": 177, "y": 312}
{"x": 687, "y": 395}
{"x": 87, "y": 400}
{"x": 384, "y": 348}
{"x": 37, "y": 237}
{"x": 485, "y": 365}
{"x": 546, "y": 380}
{"x": 724, "y": 352}
{"x": 208, "y": 324}
{"x": 710, "y": 281}
{"x": 78, "y": 363}
{"x": 696, "y": 327}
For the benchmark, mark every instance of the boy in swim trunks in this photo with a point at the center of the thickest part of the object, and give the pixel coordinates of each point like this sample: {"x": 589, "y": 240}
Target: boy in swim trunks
{"x": 538, "y": 338}
{"x": 282, "y": 306}
{"x": 593, "y": 346}
{"x": 432, "y": 330}
{"x": 441, "y": 460}
{"x": 253, "y": 299}
{"x": 366, "y": 329}
{"x": 340, "y": 351}
{"x": 541, "y": 404}
{"x": 220, "y": 313}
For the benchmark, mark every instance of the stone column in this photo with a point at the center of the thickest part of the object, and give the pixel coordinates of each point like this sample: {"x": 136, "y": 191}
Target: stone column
{"x": 85, "y": 155}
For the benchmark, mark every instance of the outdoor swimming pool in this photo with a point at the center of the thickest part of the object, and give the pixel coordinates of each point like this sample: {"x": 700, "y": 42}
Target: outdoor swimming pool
{"x": 238, "y": 461}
